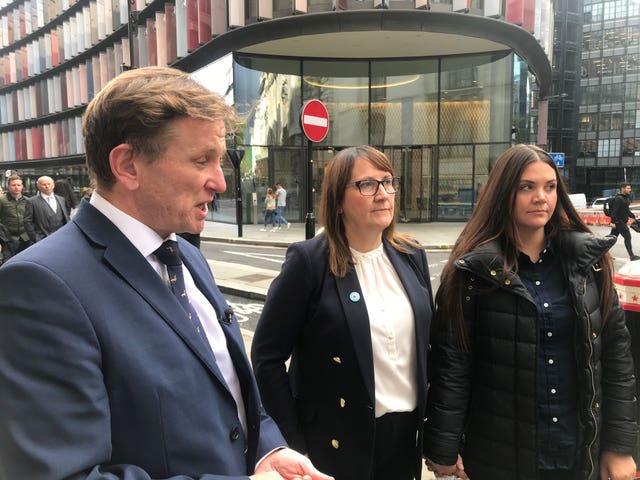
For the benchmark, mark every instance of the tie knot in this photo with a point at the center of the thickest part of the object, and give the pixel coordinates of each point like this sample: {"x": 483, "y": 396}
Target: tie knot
{"x": 168, "y": 253}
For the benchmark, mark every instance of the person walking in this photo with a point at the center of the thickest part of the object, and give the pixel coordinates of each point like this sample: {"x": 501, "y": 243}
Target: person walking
{"x": 531, "y": 371}
{"x": 63, "y": 188}
{"x": 620, "y": 215}
{"x": 12, "y": 208}
{"x": 270, "y": 210}
{"x": 281, "y": 203}
{"x": 352, "y": 308}
{"x": 119, "y": 357}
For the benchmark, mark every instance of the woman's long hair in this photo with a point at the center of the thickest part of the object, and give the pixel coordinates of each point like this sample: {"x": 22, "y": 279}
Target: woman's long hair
{"x": 336, "y": 177}
{"x": 493, "y": 219}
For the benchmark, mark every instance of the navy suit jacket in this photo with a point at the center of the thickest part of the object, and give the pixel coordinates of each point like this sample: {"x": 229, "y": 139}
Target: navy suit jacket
{"x": 102, "y": 375}
{"x": 325, "y": 403}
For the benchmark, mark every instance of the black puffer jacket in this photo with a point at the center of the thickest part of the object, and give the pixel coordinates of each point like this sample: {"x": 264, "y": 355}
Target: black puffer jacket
{"x": 483, "y": 402}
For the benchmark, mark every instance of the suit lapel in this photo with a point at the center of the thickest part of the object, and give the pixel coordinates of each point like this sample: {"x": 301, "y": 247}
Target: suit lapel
{"x": 134, "y": 269}
{"x": 357, "y": 318}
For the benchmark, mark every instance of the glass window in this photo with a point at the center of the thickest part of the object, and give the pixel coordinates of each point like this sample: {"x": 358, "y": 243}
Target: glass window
{"x": 475, "y": 102}
{"x": 267, "y": 98}
{"x": 404, "y": 102}
{"x": 343, "y": 86}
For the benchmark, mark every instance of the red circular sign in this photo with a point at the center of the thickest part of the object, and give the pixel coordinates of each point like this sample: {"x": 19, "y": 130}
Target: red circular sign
{"x": 315, "y": 120}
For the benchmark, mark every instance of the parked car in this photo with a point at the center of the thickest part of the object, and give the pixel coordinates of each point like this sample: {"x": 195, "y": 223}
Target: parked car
{"x": 598, "y": 203}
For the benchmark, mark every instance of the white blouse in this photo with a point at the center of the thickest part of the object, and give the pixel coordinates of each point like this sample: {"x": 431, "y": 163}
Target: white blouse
{"x": 392, "y": 332}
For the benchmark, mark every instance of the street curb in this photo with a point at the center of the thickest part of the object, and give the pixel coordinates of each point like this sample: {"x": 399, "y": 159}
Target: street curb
{"x": 241, "y": 293}
{"x": 246, "y": 241}
{"x": 285, "y": 244}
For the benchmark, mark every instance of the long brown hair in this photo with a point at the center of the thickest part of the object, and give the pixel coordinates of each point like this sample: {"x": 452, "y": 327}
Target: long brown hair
{"x": 336, "y": 177}
{"x": 493, "y": 219}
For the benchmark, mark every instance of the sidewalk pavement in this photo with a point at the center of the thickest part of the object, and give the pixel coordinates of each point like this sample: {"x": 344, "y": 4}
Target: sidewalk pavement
{"x": 253, "y": 282}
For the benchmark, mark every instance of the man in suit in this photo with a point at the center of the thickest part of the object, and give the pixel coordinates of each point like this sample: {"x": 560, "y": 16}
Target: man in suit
{"x": 45, "y": 212}
{"x": 116, "y": 362}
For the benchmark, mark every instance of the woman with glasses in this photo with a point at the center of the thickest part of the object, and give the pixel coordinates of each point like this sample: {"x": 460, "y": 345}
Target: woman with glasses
{"x": 352, "y": 308}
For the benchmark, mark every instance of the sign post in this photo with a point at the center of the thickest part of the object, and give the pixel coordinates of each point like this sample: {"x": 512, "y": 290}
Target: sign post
{"x": 236, "y": 157}
{"x": 314, "y": 120}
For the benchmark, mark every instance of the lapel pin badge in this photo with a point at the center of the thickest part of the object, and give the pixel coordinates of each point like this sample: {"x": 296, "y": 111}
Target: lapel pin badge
{"x": 354, "y": 297}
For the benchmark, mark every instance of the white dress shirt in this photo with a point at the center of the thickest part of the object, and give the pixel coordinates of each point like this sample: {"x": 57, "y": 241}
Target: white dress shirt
{"x": 51, "y": 200}
{"x": 393, "y": 337}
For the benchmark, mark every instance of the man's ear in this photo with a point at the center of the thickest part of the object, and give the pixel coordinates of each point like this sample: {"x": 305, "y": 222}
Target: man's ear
{"x": 123, "y": 160}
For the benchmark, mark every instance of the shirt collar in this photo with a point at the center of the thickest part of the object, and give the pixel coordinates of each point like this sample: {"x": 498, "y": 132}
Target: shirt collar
{"x": 143, "y": 238}
{"x": 547, "y": 251}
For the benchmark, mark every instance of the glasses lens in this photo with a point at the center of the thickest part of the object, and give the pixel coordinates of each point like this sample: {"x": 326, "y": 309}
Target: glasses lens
{"x": 391, "y": 184}
{"x": 368, "y": 187}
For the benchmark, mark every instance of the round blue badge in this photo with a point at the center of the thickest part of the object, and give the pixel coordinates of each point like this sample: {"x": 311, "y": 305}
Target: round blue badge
{"x": 354, "y": 297}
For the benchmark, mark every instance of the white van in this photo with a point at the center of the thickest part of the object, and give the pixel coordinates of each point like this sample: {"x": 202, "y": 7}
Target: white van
{"x": 579, "y": 200}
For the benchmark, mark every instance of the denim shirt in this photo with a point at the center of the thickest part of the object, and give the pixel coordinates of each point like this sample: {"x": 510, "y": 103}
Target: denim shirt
{"x": 556, "y": 376}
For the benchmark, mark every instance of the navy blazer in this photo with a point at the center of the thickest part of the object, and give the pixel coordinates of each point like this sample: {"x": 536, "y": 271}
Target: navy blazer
{"x": 103, "y": 376}
{"x": 325, "y": 404}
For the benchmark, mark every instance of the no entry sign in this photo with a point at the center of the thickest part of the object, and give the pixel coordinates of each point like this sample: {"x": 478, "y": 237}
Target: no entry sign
{"x": 315, "y": 120}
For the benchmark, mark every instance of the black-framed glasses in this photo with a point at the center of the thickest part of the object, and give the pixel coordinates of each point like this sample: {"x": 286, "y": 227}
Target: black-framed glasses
{"x": 369, "y": 187}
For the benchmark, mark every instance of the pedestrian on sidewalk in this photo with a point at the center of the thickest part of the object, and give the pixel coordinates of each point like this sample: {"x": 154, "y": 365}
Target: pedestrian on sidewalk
{"x": 352, "y": 308}
{"x": 281, "y": 202}
{"x": 620, "y": 215}
{"x": 531, "y": 369}
{"x": 270, "y": 210}
{"x": 119, "y": 357}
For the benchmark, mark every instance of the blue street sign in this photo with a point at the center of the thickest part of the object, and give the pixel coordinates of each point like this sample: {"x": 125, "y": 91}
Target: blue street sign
{"x": 558, "y": 158}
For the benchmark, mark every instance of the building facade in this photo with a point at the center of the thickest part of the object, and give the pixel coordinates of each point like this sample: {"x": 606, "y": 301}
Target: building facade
{"x": 608, "y": 133}
{"x": 440, "y": 87}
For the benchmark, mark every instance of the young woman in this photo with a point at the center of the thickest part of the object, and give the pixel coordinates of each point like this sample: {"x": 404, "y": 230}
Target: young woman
{"x": 532, "y": 373}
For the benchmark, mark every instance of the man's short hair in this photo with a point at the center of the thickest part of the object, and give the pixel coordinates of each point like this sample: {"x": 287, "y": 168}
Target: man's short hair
{"x": 12, "y": 178}
{"x": 624, "y": 185}
{"x": 138, "y": 108}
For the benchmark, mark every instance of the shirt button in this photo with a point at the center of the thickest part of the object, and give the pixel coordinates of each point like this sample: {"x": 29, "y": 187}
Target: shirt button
{"x": 554, "y": 419}
{"x": 551, "y": 361}
{"x": 234, "y": 434}
{"x": 537, "y": 282}
{"x": 553, "y": 391}
{"x": 335, "y": 443}
{"x": 546, "y": 305}
{"x": 549, "y": 334}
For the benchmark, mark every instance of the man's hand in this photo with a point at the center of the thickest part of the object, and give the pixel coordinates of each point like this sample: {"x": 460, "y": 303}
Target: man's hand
{"x": 288, "y": 465}
{"x": 616, "y": 466}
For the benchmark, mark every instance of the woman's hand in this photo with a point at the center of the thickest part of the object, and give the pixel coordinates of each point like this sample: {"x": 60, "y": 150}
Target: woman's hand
{"x": 617, "y": 466}
{"x": 455, "y": 471}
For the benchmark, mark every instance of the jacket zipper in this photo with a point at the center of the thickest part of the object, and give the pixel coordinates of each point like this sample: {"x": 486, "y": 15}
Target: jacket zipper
{"x": 593, "y": 387}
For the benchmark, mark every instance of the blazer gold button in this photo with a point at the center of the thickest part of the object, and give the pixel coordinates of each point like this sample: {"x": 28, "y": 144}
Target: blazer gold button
{"x": 594, "y": 334}
{"x": 461, "y": 262}
{"x": 507, "y": 282}
{"x": 337, "y": 359}
{"x": 335, "y": 443}
{"x": 234, "y": 434}
{"x": 342, "y": 403}
{"x": 493, "y": 273}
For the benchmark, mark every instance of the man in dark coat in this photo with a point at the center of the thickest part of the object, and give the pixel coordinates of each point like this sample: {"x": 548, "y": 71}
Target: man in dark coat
{"x": 12, "y": 208}
{"x": 620, "y": 215}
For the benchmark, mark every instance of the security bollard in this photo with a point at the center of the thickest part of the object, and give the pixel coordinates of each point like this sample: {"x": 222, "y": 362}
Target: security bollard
{"x": 627, "y": 282}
